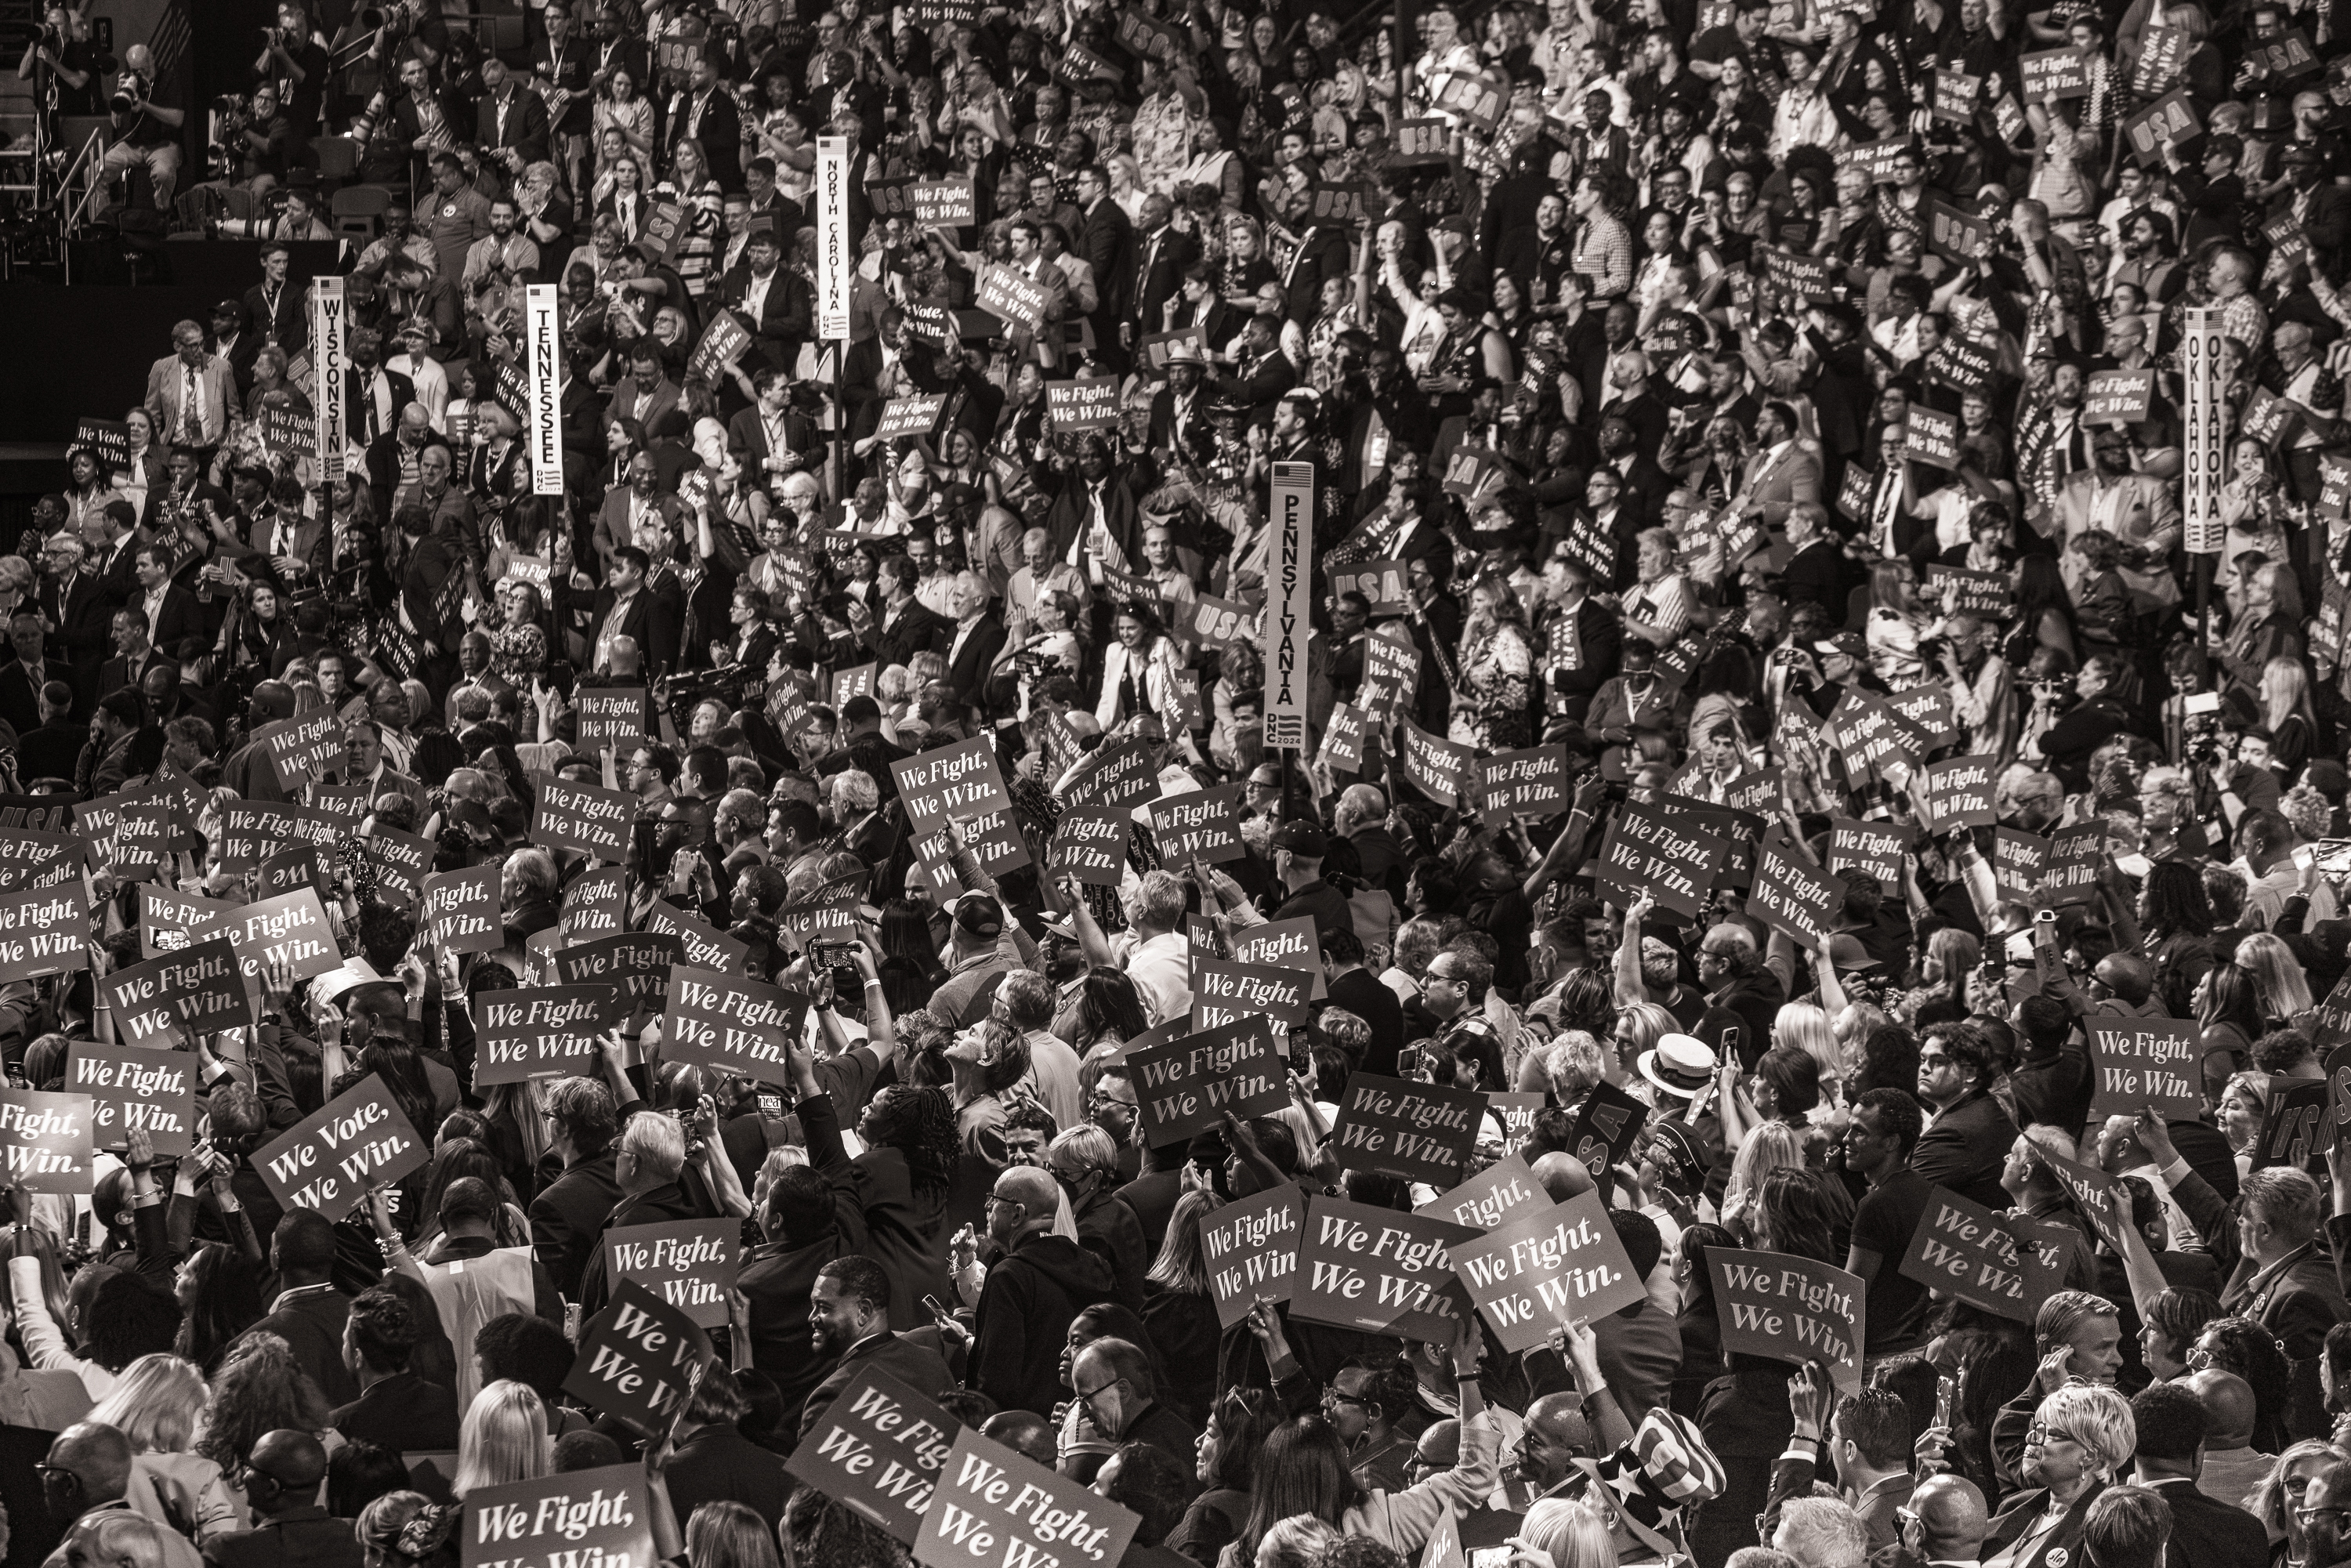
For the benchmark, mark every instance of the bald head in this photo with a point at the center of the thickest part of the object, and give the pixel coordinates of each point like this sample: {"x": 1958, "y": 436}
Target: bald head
{"x": 1563, "y": 1176}
{"x": 1439, "y": 1446}
{"x": 2228, "y": 1401}
{"x": 1561, "y": 1417}
{"x": 99, "y": 1456}
{"x": 2127, "y": 975}
{"x": 1951, "y": 1512}
{"x": 296, "y": 1460}
{"x": 1024, "y": 1432}
{"x": 1034, "y": 1189}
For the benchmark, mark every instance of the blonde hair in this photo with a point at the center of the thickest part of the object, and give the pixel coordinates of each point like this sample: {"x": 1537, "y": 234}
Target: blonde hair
{"x": 504, "y": 1438}
{"x": 2278, "y": 979}
{"x": 156, "y": 1403}
{"x": 122, "y": 1535}
{"x": 1807, "y": 1028}
{"x": 2285, "y": 694}
{"x": 2099, "y": 1418}
{"x": 1298, "y": 1542}
{"x": 1650, "y": 1023}
{"x": 1575, "y": 1535}
{"x": 1767, "y": 1148}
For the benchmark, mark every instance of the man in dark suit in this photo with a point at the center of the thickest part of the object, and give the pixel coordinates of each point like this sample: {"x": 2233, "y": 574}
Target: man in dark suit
{"x": 646, "y": 1161}
{"x": 134, "y": 656}
{"x": 707, "y": 111}
{"x": 779, "y": 1277}
{"x": 1160, "y": 253}
{"x": 776, "y": 434}
{"x": 1579, "y": 638}
{"x": 274, "y": 308}
{"x": 626, "y": 609}
{"x": 175, "y": 623}
{"x": 399, "y": 448}
{"x": 1967, "y": 1143}
{"x": 1262, "y": 373}
{"x": 2171, "y": 1424}
{"x": 22, "y": 678}
{"x": 396, "y": 1409}
{"x": 510, "y": 123}
{"x": 50, "y": 750}
{"x": 848, "y": 1320}
{"x": 1106, "y": 239}
{"x": 905, "y": 628}
{"x": 281, "y": 1475}
{"x": 309, "y": 1315}
{"x": 978, "y": 637}
{"x": 771, "y": 298}
{"x": 569, "y": 1216}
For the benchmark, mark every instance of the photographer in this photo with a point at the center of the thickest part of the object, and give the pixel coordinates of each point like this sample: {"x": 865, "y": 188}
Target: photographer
{"x": 293, "y": 64}
{"x": 2073, "y": 734}
{"x": 62, "y": 46}
{"x": 146, "y": 132}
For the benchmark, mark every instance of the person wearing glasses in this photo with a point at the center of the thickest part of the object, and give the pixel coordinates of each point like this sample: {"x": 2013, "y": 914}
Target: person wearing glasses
{"x": 1115, "y": 1386}
{"x": 2081, "y": 1438}
{"x": 1945, "y": 1522}
{"x": 1032, "y": 1294}
{"x": 82, "y": 1482}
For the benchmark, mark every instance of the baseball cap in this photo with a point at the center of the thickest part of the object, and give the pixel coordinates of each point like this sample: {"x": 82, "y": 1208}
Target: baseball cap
{"x": 1849, "y": 643}
{"x": 979, "y": 914}
{"x": 229, "y": 307}
{"x": 1302, "y": 839}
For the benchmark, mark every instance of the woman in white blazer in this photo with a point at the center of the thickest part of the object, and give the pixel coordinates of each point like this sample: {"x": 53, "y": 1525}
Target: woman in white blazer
{"x": 1138, "y": 669}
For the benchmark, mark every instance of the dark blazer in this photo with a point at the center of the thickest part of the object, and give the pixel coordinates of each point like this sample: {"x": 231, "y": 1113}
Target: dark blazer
{"x": 651, "y": 621}
{"x": 718, "y": 1464}
{"x": 179, "y": 631}
{"x": 526, "y": 130}
{"x": 898, "y": 635}
{"x": 653, "y": 1208}
{"x": 917, "y": 1366}
{"x": 1964, "y": 1150}
{"x": 566, "y": 1220}
{"x": 1104, "y": 241}
{"x": 18, "y": 704}
{"x": 402, "y": 1412}
{"x": 49, "y": 752}
{"x": 777, "y": 1279}
{"x": 1361, "y": 992}
{"x": 312, "y": 1324}
{"x": 304, "y": 1537}
{"x": 971, "y": 662}
{"x": 1600, "y": 641}
{"x": 784, "y": 317}
{"x": 746, "y": 439}
{"x": 1158, "y": 260}
{"x": 2208, "y": 1533}
{"x": 2016, "y": 1516}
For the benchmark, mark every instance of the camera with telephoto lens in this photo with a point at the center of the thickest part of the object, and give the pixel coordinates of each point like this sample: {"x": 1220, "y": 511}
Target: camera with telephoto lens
{"x": 124, "y": 101}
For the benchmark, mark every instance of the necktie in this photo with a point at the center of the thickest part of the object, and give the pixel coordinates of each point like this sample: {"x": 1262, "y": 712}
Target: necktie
{"x": 192, "y": 425}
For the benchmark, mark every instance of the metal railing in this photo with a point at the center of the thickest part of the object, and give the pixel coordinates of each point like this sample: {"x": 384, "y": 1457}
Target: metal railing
{"x": 93, "y": 150}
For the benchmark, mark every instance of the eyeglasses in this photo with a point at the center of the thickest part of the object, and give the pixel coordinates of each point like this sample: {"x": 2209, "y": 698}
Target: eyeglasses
{"x": 2307, "y": 1514}
{"x": 1332, "y": 1396}
{"x": 2041, "y": 1432}
{"x": 1099, "y": 1100}
{"x": 1904, "y": 1519}
{"x": 1088, "y": 1397}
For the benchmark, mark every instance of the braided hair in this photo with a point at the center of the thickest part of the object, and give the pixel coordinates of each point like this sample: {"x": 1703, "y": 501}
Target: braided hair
{"x": 920, "y": 1124}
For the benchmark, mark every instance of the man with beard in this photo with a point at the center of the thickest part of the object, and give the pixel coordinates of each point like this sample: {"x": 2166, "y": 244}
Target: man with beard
{"x": 1179, "y": 412}
{"x": 2140, "y": 511}
{"x": 848, "y": 1321}
{"x": 1541, "y": 255}
{"x": 1625, "y": 451}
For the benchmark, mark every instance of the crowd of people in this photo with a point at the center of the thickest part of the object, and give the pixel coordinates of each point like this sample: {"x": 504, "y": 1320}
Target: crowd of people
{"x": 1726, "y": 410}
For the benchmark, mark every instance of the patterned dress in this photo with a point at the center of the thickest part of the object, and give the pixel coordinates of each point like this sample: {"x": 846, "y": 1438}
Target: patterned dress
{"x": 1491, "y": 711}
